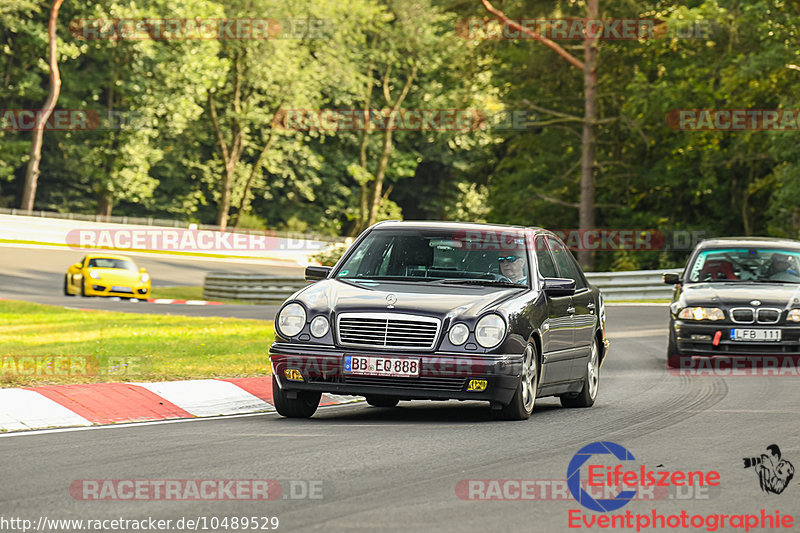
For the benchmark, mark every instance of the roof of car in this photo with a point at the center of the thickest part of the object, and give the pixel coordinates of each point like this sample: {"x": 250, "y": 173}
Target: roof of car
{"x": 435, "y": 224}
{"x": 749, "y": 241}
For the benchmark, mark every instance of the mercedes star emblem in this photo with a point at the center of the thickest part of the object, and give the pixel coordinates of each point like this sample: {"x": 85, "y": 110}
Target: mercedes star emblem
{"x": 391, "y": 299}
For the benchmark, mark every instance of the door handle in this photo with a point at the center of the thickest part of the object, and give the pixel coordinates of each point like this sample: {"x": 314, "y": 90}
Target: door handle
{"x": 590, "y": 306}
{"x": 571, "y": 310}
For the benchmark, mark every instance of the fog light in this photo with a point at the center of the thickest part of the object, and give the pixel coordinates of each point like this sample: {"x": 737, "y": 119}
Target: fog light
{"x": 477, "y": 385}
{"x": 292, "y": 374}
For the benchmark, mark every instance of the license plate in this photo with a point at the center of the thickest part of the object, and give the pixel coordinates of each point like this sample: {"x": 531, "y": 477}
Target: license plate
{"x": 396, "y": 367}
{"x": 121, "y": 289}
{"x": 756, "y": 335}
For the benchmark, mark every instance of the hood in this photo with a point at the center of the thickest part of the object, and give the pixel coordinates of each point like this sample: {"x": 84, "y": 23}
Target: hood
{"x": 779, "y": 295}
{"x": 115, "y": 276}
{"x": 415, "y": 298}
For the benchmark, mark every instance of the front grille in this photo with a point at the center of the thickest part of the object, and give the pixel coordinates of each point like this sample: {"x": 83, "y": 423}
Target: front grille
{"x": 388, "y": 330}
{"x": 748, "y": 315}
{"x": 768, "y": 316}
{"x": 742, "y": 315}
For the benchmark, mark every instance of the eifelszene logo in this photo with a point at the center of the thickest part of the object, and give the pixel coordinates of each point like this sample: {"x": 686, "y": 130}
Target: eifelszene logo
{"x": 618, "y": 477}
{"x": 774, "y": 473}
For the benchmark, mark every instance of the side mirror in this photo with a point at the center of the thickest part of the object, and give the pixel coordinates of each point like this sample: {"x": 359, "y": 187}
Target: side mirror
{"x": 671, "y": 278}
{"x": 559, "y": 286}
{"x": 316, "y": 273}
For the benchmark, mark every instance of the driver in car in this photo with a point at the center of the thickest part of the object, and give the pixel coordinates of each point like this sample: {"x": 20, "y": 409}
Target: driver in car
{"x": 512, "y": 266}
{"x": 781, "y": 268}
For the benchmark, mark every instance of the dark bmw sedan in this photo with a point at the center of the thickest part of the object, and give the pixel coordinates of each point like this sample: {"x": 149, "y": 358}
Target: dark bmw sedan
{"x": 736, "y": 296}
{"x": 427, "y": 310}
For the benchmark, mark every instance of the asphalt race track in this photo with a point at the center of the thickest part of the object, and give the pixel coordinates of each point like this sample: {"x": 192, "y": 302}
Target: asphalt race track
{"x": 37, "y": 275}
{"x": 374, "y": 469}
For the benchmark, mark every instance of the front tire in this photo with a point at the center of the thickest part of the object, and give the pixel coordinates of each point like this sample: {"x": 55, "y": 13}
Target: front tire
{"x": 673, "y": 353}
{"x": 303, "y": 406}
{"x": 524, "y": 399}
{"x": 382, "y": 401}
{"x": 66, "y": 286}
{"x": 83, "y": 287}
{"x": 591, "y": 382}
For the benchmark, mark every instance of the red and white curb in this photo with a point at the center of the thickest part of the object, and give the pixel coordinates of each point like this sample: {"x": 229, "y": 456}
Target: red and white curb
{"x": 91, "y": 404}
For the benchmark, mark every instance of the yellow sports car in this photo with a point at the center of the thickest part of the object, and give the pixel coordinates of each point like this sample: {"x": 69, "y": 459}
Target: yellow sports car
{"x": 107, "y": 275}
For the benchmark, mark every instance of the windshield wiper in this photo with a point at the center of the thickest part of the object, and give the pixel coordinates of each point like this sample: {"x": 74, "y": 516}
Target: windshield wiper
{"x": 388, "y": 278}
{"x": 486, "y": 282}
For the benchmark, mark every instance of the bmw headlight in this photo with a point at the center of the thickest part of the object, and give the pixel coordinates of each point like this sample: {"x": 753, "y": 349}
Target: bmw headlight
{"x": 490, "y": 330}
{"x": 458, "y": 334}
{"x": 702, "y": 313}
{"x": 320, "y": 326}
{"x": 94, "y": 275}
{"x": 291, "y": 320}
{"x": 794, "y": 315}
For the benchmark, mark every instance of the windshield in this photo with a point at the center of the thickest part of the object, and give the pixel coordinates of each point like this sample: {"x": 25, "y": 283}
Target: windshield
{"x": 746, "y": 264}
{"x": 429, "y": 255}
{"x": 107, "y": 262}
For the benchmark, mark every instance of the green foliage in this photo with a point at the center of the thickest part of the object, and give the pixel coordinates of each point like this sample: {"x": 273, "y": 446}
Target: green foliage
{"x": 167, "y": 161}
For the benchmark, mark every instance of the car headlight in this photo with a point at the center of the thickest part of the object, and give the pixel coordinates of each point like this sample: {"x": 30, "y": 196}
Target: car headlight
{"x": 94, "y": 275}
{"x": 794, "y": 315}
{"x": 702, "y": 313}
{"x": 490, "y": 330}
{"x": 291, "y": 320}
{"x": 320, "y": 326}
{"x": 458, "y": 334}
{"x": 144, "y": 278}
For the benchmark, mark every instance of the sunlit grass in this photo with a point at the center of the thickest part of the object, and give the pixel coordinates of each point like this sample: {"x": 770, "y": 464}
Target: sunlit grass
{"x": 125, "y": 346}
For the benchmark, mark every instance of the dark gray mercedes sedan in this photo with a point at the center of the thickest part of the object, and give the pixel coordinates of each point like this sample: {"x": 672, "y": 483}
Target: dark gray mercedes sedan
{"x": 437, "y": 311}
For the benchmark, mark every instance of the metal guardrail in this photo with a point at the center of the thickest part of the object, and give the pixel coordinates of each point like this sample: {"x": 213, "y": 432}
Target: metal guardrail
{"x": 166, "y": 223}
{"x": 634, "y": 285}
{"x": 254, "y": 288}
{"x": 615, "y": 286}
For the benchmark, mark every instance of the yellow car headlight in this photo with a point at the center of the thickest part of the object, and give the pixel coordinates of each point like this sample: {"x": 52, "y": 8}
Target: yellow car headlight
{"x": 702, "y": 313}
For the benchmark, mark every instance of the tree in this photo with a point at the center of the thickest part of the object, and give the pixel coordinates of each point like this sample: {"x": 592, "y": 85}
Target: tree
{"x": 32, "y": 174}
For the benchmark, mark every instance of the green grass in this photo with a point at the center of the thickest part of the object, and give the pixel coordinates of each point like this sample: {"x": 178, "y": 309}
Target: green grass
{"x": 188, "y": 292}
{"x": 111, "y": 346}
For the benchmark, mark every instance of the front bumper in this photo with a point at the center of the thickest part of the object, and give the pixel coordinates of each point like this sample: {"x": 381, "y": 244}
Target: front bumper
{"x": 99, "y": 288}
{"x": 697, "y": 339}
{"x": 443, "y": 376}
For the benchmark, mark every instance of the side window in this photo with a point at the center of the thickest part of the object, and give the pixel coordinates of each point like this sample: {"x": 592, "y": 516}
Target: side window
{"x": 547, "y": 269}
{"x": 566, "y": 264}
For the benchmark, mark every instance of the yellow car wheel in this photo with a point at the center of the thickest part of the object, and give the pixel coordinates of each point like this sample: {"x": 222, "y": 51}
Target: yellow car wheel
{"x": 83, "y": 287}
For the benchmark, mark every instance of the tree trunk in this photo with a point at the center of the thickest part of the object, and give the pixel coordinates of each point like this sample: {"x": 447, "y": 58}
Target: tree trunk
{"x": 105, "y": 202}
{"x": 589, "y": 140}
{"x": 243, "y": 204}
{"x": 32, "y": 174}
{"x": 377, "y": 191}
{"x": 230, "y": 155}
